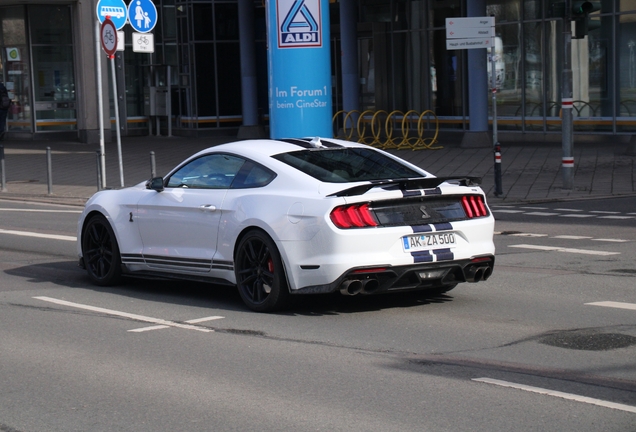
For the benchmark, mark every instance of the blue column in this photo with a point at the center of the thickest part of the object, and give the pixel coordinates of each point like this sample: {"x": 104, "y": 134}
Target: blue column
{"x": 477, "y": 76}
{"x": 248, "y": 62}
{"x": 299, "y": 68}
{"x": 349, "y": 46}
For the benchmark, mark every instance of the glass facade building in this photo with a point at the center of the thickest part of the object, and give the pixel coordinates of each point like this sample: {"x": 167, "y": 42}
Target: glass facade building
{"x": 47, "y": 53}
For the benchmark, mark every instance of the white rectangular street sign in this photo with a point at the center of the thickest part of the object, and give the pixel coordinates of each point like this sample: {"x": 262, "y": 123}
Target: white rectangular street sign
{"x": 458, "y": 44}
{"x": 469, "y": 32}
{"x": 469, "y": 22}
{"x": 143, "y": 42}
{"x": 121, "y": 41}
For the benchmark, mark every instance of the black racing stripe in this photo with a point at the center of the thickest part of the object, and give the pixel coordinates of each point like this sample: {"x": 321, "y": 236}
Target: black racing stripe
{"x": 176, "y": 259}
{"x": 444, "y": 255}
{"x": 436, "y": 191}
{"x": 298, "y": 142}
{"x": 443, "y": 226}
{"x": 411, "y": 193}
{"x": 424, "y": 256}
{"x": 421, "y": 228}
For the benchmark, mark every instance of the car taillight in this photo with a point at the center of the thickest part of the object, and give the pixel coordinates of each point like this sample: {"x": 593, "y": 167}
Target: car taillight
{"x": 474, "y": 206}
{"x": 353, "y": 216}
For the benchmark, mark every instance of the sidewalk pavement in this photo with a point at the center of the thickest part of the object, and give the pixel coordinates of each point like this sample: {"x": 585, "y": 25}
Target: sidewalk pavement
{"x": 530, "y": 172}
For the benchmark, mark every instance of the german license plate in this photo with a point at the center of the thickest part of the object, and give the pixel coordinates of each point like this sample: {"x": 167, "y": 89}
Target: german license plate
{"x": 419, "y": 242}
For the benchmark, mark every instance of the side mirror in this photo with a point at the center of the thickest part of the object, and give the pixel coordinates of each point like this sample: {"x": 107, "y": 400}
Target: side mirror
{"x": 155, "y": 183}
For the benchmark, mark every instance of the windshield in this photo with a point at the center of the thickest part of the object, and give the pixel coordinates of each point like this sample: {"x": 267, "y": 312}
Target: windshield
{"x": 344, "y": 165}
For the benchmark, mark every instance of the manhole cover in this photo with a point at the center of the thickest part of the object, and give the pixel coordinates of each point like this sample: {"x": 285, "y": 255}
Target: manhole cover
{"x": 588, "y": 341}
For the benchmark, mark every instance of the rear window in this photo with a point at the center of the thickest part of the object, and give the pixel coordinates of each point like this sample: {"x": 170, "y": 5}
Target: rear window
{"x": 343, "y": 165}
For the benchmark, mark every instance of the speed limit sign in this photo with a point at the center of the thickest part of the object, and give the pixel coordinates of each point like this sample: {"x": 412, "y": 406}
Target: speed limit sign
{"x": 109, "y": 37}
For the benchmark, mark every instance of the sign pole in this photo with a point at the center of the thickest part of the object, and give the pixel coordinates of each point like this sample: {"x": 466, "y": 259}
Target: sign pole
{"x": 115, "y": 102}
{"x": 495, "y": 139}
{"x": 113, "y": 14}
{"x": 109, "y": 43}
{"x": 567, "y": 122}
{"x": 100, "y": 103}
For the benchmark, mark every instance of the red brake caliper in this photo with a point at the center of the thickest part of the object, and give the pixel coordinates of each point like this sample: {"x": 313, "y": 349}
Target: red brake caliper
{"x": 270, "y": 265}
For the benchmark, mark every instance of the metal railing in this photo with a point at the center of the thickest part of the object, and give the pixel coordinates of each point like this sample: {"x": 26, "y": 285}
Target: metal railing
{"x": 409, "y": 130}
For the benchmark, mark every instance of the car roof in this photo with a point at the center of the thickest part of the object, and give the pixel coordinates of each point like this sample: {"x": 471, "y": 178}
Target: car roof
{"x": 270, "y": 147}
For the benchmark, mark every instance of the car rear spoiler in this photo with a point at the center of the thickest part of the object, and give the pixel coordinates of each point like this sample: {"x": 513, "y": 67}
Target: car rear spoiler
{"x": 408, "y": 184}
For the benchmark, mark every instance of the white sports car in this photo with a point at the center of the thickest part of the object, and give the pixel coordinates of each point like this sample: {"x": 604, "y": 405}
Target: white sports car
{"x": 292, "y": 216}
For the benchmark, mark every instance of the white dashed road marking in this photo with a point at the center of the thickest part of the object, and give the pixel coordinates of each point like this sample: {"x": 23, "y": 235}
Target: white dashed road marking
{"x": 38, "y": 235}
{"x": 541, "y": 214}
{"x": 579, "y": 215}
{"x": 568, "y": 396}
{"x": 569, "y": 237}
{"x": 568, "y": 213}
{"x": 39, "y": 210}
{"x": 612, "y": 304}
{"x": 562, "y": 249}
{"x": 160, "y": 322}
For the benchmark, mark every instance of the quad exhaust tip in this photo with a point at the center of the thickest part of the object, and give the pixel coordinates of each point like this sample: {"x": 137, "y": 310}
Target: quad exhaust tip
{"x": 352, "y": 287}
{"x": 477, "y": 273}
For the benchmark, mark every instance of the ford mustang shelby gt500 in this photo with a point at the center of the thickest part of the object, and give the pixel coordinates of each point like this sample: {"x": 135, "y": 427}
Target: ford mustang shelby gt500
{"x": 292, "y": 216}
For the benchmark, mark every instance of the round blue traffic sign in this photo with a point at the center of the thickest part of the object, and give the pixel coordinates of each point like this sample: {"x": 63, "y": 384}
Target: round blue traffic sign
{"x": 115, "y": 9}
{"x": 142, "y": 15}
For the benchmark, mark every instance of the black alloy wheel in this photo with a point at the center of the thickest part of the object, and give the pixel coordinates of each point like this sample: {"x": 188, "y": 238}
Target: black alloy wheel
{"x": 101, "y": 252}
{"x": 260, "y": 276}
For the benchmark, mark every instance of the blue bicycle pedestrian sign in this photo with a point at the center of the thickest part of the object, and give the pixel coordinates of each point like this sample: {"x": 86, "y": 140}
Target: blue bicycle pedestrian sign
{"x": 142, "y": 15}
{"x": 115, "y": 9}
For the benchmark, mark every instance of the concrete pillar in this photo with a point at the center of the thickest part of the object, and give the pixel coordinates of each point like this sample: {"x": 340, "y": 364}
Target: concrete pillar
{"x": 84, "y": 22}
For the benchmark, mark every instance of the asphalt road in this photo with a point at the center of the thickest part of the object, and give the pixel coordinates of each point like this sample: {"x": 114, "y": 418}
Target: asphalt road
{"x": 547, "y": 343}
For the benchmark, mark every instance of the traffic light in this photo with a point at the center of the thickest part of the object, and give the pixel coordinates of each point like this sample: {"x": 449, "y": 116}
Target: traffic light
{"x": 581, "y": 11}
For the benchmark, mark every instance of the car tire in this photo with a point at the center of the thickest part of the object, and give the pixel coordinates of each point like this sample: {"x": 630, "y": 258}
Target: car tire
{"x": 101, "y": 252}
{"x": 260, "y": 276}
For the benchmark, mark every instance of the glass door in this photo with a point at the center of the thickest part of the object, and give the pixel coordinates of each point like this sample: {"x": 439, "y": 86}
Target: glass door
{"x": 15, "y": 67}
{"x": 53, "y": 68}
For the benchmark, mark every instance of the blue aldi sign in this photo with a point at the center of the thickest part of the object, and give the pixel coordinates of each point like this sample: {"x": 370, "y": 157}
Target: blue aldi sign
{"x": 300, "y": 23}
{"x": 142, "y": 15}
{"x": 115, "y": 9}
{"x": 300, "y": 74}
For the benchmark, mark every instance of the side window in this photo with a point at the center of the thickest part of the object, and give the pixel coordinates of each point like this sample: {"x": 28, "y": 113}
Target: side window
{"x": 212, "y": 171}
{"x": 253, "y": 176}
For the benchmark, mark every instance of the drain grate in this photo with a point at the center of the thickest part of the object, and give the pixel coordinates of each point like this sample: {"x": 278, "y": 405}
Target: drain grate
{"x": 588, "y": 341}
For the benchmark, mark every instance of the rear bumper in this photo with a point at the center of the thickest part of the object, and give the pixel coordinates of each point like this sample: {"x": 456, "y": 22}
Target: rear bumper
{"x": 381, "y": 279}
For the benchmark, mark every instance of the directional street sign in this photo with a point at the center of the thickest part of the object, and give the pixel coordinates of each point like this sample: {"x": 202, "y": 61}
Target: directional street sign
{"x": 142, "y": 15}
{"x": 470, "y": 22}
{"x": 115, "y": 9}
{"x": 472, "y": 43}
{"x": 109, "y": 37}
{"x": 470, "y": 33}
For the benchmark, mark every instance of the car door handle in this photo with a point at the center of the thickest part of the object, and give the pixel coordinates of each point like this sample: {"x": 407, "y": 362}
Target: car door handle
{"x": 207, "y": 207}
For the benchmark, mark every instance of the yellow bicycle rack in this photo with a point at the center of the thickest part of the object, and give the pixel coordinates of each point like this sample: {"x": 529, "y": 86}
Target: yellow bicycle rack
{"x": 362, "y": 128}
{"x": 426, "y": 143}
{"x": 383, "y": 125}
